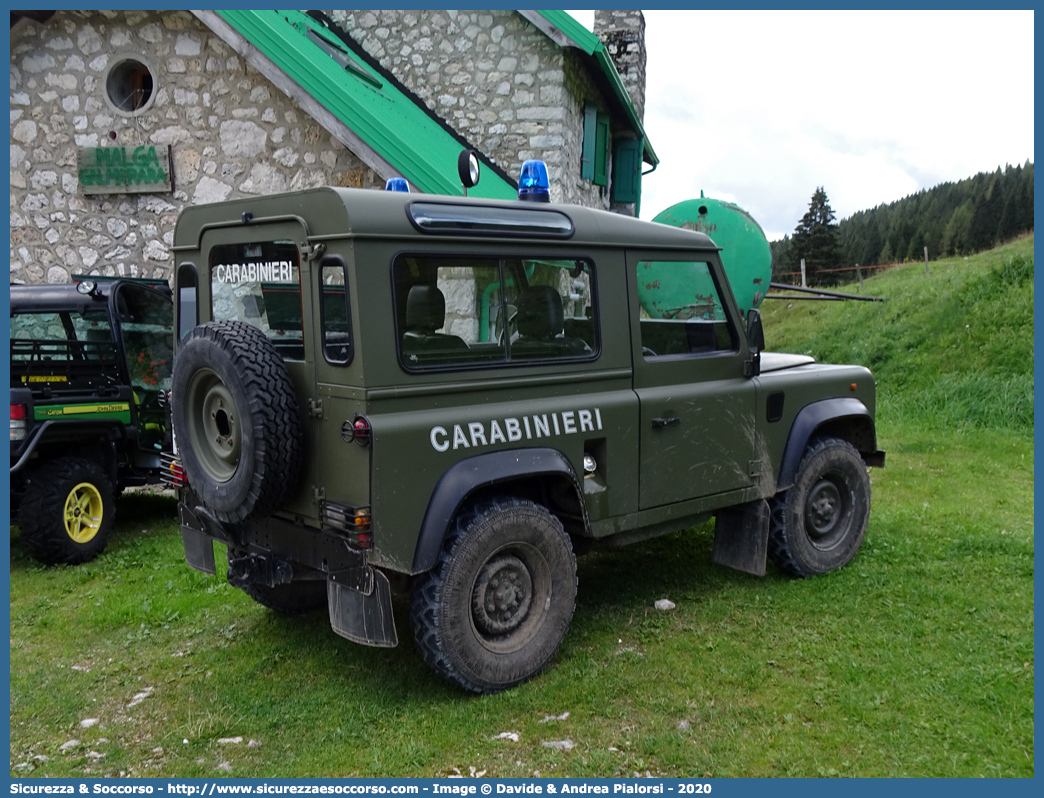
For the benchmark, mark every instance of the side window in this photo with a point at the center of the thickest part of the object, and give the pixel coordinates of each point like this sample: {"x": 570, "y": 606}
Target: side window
{"x": 188, "y": 299}
{"x": 260, "y": 283}
{"x": 471, "y": 311}
{"x": 681, "y": 310}
{"x": 147, "y": 325}
{"x": 334, "y": 310}
{"x": 442, "y": 310}
{"x": 553, "y": 314}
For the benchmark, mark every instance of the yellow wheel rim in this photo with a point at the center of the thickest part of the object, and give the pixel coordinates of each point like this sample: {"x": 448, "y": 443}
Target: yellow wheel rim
{"x": 83, "y": 512}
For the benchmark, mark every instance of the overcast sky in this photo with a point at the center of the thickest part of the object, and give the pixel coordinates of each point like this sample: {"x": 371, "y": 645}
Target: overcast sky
{"x": 761, "y": 107}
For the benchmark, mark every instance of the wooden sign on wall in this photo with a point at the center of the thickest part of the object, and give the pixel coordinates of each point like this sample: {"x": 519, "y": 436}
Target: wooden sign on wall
{"x": 144, "y": 169}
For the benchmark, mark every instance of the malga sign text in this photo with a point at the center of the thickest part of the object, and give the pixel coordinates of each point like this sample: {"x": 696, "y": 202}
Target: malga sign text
{"x": 144, "y": 169}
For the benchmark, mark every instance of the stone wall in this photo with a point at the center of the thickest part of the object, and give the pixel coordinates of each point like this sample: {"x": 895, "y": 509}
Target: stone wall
{"x": 232, "y": 134}
{"x": 496, "y": 79}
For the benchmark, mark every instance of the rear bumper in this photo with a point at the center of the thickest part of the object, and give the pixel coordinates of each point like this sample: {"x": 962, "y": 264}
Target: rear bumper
{"x": 358, "y": 595}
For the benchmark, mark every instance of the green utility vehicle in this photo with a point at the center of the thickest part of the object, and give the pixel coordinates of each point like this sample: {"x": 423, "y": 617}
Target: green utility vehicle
{"x": 90, "y": 370}
{"x": 452, "y": 397}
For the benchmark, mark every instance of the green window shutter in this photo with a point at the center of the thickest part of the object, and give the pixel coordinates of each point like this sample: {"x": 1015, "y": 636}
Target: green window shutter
{"x": 627, "y": 170}
{"x": 601, "y": 161}
{"x": 587, "y": 162}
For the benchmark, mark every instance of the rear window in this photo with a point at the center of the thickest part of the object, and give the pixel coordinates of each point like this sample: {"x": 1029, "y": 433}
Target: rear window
{"x": 456, "y": 312}
{"x": 260, "y": 283}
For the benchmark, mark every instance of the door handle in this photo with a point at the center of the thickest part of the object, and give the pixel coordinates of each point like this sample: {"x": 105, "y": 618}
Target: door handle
{"x": 665, "y": 422}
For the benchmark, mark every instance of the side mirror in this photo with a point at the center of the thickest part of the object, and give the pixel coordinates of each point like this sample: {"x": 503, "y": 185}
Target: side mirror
{"x": 755, "y": 340}
{"x": 755, "y": 331}
{"x": 468, "y": 169}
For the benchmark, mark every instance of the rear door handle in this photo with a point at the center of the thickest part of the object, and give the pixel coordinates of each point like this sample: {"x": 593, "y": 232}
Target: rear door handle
{"x": 665, "y": 422}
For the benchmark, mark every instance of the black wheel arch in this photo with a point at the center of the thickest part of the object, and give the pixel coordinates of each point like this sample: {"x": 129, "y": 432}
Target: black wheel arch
{"x": 102, "y": 449}
{"x": 846, "y": 418}
{"x": 544, "y": 475}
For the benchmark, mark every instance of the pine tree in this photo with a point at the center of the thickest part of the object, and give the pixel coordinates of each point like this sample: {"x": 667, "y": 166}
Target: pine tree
{"x": 816, "y": 241}
{"x": 780, "y": 258}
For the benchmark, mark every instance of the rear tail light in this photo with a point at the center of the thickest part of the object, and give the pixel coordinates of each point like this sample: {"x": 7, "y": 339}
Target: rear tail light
{"x": 19, "y": 422}
{"x": 358, "y": 430}
{"x": 172, "y": 473}
{"x": 354, "y": 523}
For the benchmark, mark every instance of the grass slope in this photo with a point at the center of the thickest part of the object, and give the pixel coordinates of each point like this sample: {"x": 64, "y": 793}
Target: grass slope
{"x": 954, "y": 348}
{"x": 916, "y": 660}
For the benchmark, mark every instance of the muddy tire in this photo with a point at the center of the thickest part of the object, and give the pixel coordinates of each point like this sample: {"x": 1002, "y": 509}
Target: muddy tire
{"x": 237, "y": 420}
{"x": 67, "y": 512}
{"x": 294, "y": 598}
{"x": 818, "y": 524}
{"x": 495, "y": 608}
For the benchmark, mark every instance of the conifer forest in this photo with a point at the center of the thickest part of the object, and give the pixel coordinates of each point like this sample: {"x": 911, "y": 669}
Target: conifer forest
{"x": 959, "y": 218}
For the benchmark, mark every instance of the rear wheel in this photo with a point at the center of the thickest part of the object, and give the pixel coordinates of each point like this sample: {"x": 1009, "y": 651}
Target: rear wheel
{"x": 497, "y": 605}
{"x": 818, "y": 524}
{"x": 67, "y": 511}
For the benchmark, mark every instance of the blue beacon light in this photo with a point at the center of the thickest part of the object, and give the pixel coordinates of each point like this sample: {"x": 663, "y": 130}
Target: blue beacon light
{"x": 533, "y": 185}
{"x": 397, "y": 184}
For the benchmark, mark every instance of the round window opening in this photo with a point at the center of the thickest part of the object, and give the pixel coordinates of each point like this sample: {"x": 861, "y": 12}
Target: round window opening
{"x": 129, "y": 86}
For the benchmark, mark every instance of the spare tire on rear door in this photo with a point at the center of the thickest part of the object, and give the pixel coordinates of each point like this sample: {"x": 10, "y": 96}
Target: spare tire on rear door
{"x": 236, "y": 419}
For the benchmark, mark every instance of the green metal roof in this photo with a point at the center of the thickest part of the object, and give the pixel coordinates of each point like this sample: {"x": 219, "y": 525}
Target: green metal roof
{"x": 580, "y": 37}
{"x": 403, "y": 134}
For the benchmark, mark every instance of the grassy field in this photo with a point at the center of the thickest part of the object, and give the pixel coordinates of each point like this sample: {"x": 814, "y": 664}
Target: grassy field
{"x": 916, "y": 660}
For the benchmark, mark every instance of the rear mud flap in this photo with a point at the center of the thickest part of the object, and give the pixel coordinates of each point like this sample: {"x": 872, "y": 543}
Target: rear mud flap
{"x": 199, "y": 546}
{"x": 361, "y": 608}
{"x": 741, "y": 537}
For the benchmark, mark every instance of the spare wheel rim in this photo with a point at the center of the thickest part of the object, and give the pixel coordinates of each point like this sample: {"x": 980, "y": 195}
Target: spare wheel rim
{"x": 214, "y": 426}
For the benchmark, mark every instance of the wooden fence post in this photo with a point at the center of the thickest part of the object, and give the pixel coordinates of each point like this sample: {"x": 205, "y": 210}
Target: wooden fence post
{"x": 859, "y": 274}
{"x": 926, "y": 272}
{"x": 803, "y": 283}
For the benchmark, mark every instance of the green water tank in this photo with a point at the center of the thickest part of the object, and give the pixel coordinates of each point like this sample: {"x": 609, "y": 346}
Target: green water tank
{"x": 744, "y": 253}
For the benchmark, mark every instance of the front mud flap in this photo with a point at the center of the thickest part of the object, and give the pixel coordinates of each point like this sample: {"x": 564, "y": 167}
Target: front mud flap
{"x": 361, "y": 608}
{"x": 199, "y": 546}
{"x": 741, "y": 536}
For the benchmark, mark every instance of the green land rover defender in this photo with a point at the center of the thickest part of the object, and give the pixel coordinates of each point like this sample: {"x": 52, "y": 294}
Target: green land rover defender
{"x": 453, "y": 396}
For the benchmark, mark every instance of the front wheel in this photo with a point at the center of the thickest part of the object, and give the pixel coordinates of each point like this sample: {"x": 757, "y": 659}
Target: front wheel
{"x": 67, "y": 511}
{"x": 495, "y": 608}
{"x": 818, "y": 524}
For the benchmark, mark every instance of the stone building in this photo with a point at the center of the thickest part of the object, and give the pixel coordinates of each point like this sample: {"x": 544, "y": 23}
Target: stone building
{"x": 119, "y": 119}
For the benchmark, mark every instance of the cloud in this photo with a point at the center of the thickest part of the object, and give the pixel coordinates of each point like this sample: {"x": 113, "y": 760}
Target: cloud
{"x": 763, "y": 107}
